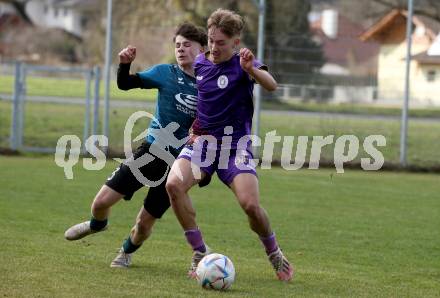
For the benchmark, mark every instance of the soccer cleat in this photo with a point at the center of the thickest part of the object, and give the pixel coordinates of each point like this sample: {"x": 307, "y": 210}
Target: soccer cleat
{"x": 283, "y": 269}
{"x": 197, "y": 256}
{"x": 80, "y": 230}
{"x": 122, "y": 260}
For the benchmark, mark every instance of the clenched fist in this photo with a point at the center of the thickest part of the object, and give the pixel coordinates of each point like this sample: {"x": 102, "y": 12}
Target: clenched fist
{"x": 127, "y": 55}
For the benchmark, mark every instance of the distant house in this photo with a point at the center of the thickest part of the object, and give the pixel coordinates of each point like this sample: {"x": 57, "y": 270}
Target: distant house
{"x": 390, "y": 32}
{"x": 9, "y": 19}
{"x": 44, "y": 31}
{"x": 6, "y": 9}
{"x": 349, "y": 72}
{"x": 63, "y": 14}
{"x": 345, "y": 54}
{"x": 67, "y": 15}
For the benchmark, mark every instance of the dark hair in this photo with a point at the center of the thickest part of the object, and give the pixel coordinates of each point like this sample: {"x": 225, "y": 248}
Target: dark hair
{"x": 192, "y": 32}
{"x": 229, "y": 22}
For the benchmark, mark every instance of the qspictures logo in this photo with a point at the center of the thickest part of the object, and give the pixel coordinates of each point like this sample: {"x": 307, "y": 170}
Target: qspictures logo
{"x": 345, "y": 149}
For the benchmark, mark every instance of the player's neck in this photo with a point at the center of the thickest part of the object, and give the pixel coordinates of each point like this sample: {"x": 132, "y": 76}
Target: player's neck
{"x": 189, "y": 70}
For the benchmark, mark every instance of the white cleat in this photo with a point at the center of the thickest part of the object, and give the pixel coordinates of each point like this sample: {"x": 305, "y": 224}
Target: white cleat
{"x": 122, "y": 260}
{"x": 197, "y": 256}
{"x": 80, "y": 230}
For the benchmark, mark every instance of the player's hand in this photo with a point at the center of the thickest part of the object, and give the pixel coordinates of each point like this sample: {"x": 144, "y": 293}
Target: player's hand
{"x": 127, "y": 55}
{"x": 246, "y": 59}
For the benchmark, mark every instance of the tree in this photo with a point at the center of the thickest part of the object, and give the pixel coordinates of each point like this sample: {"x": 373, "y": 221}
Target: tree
{"x": 291, "y": 52}
{"x": 147, "y": 24}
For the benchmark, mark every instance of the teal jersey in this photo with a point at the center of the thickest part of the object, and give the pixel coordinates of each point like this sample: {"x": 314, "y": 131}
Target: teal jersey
{"x": 176, "y": 100}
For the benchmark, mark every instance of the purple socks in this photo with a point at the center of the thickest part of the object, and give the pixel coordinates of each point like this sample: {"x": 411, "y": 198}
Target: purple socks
{"x": 194, "y": 238}
{"x": 270, "y": 243}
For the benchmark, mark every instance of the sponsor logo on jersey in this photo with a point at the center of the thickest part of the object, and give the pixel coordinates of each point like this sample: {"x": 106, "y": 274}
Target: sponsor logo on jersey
{"x": 199, "y": 78}
{"x": 180, "y": 81}
{"x": 187, "y": 100}
{"x": 222, "y": 82}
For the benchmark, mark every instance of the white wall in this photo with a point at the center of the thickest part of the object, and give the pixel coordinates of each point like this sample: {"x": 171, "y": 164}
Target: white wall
{"x": 44, "y": 13}
{"x": 6, "y": 8}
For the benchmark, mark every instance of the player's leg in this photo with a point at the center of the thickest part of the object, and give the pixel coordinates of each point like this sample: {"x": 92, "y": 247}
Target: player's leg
{"x": 245, "y": 188}
{"x": 241, "y": 177}
{"x": 138, "y": 234}
{"x": 179, "y": 182}
{"x": 156, "y": 204}
{"x": 121, "y": 184}
{"x": 100, "y": 210}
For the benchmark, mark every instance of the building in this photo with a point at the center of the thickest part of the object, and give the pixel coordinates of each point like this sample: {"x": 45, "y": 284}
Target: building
{"x": 345, "y": 54}
{"x": 67, "y": 15}
{"x": 390, "y": 33}
{"x": 63, "y": 14}
{"x": 349, "y": 72}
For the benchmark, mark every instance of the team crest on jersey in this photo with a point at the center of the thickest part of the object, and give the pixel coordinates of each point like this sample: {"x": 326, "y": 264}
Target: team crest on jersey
{"x": 222, "y": 81}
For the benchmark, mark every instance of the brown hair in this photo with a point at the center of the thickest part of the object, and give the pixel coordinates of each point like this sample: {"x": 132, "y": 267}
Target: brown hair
{"x": 192, "y": 32}
{"x": 229, "y": 22}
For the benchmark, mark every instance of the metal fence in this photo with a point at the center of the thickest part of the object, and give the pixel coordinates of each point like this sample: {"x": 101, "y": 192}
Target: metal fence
{"x": 32, "y": 115}
{"x": 43, "y": 103}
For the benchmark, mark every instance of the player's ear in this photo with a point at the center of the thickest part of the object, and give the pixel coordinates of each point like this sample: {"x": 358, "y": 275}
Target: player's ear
{"x": 236, "y": 41}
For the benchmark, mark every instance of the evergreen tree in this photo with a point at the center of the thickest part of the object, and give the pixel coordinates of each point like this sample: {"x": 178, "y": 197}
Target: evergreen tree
{"x": 290, "y": 50}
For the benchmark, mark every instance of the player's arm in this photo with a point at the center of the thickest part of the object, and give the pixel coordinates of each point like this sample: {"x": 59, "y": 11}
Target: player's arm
{"x": 261, "y": 76}
{"x": 125, "y": 80}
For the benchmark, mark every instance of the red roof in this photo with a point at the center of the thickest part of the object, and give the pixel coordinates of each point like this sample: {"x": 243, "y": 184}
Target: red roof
{"x": 346, "y": 47}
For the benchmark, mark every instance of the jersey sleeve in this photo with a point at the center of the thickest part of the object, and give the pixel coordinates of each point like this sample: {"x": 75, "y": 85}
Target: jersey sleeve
{"x": 152, "y": 77}
{"x": 260, "y": 65}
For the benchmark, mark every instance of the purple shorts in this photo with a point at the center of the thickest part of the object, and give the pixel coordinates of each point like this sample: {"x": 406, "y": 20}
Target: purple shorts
{"x": 228, "y": 163}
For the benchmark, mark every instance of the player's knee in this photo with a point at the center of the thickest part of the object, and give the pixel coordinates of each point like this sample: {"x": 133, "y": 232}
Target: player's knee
{"x": 252, "y": 208}
{"x": 174, "y": 188}
{"x": 99, "y": 204}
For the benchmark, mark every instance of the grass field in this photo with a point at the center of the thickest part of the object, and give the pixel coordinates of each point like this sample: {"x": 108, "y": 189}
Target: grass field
{"x": 45, "y": 123}
{"x": 68, "y": 87}
{"x": 357, "y": 234}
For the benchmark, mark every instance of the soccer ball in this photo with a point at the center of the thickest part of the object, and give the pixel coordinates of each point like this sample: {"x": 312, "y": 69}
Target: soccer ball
{"x": 215, "y": 271}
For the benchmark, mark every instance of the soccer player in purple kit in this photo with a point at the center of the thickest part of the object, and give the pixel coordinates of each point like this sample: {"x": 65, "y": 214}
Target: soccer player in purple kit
{"x": 225, "y": 81}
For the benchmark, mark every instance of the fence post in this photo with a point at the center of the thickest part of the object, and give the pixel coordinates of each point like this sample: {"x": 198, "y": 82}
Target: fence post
{"x": 18, "y": 86}
{"x": 97, "y": 72}
{"x": 21, "y": 102}
{"x": 86, "y": 132}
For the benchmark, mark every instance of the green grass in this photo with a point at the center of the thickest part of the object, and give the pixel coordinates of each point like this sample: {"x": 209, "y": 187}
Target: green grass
{"x": 68, "y": 87}
{"x": 349, "y": 108}
{"x": 45, "y": 123}
{"x": 357, "y": 234}
{"x": 423, "y": 137}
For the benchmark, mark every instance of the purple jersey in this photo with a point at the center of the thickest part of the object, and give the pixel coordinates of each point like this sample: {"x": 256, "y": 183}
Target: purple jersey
{"x": 225, "y": 93}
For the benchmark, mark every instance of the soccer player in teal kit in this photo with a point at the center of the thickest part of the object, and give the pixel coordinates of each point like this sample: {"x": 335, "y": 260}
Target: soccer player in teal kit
{"x": 225, "y": 82}
{"x": 176, "y": 103}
